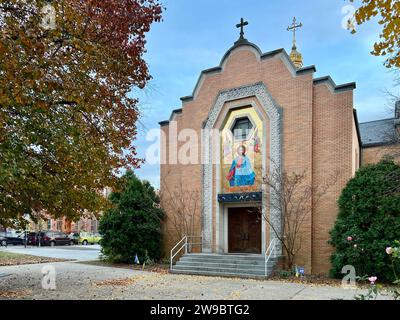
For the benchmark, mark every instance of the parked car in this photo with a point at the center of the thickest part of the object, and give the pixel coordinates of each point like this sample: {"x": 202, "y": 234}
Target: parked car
{"x": 74, "y": 237}
{"x": 25, "y": 235}
{"x": 88, "y": 237}
{"x": 12, "y": 238}
{"x": 3, "y": 241}
{"x": 32, "y": 238}
{"x": 51, "y": 238}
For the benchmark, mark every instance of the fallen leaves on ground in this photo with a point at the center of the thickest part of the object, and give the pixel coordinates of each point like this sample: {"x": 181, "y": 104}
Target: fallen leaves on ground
{"x": 117, "y": 282}
{"x": 13, "y": 259}
{"x": 234, "y": 295}
{"x": 157, "y": 268}
{"x": 309, "y": 280}
{"x": 14, "y": 294}
{"x": 162, "y": 270}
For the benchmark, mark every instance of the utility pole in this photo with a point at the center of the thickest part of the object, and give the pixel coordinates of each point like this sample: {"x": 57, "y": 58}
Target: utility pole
{"x": 26, "y": 217}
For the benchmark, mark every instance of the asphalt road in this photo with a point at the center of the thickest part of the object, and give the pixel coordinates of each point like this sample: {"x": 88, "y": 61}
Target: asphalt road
{"x": 79, "y": 253}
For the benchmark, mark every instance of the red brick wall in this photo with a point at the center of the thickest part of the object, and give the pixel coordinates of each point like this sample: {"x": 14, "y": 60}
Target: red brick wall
{"x": 332, "y": 153}
{"x": 375, "y": 154}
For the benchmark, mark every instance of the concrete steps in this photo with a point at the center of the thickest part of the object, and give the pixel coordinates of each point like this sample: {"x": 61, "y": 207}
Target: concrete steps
{"x": 245, "y": 266}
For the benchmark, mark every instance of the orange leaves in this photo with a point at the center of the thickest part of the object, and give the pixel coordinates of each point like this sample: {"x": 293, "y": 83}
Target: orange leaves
{"x": 2, "y": 49}
{"x": 64, "y": 96}
{"x": 42, "y": 105}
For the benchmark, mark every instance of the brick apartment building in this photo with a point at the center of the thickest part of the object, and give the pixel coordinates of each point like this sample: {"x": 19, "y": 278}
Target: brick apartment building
{"x": 87, "y": 223}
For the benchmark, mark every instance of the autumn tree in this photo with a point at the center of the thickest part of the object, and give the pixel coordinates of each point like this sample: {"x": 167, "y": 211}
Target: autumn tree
{"x": 67, "y": 115}
{"x": 388, "y": 13}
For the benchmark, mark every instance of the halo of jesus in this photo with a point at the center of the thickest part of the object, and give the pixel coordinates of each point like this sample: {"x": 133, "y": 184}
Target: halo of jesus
{"x": 274, "y": 117}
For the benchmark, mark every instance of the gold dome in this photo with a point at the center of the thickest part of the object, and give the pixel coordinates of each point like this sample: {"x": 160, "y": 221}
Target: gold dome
{"x": 297, "y": 58}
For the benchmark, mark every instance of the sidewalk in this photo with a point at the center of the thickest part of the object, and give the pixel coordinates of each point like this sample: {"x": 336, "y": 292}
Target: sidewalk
{"x": 82, "y": 281}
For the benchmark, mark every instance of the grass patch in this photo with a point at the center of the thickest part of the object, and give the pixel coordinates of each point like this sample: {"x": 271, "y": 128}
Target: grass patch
{"x": 12, "y": 259}
{"x": 7, "y": 255}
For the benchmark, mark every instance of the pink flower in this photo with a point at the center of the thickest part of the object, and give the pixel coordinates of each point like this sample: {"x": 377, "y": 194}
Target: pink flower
{"x": 349, "y": 238}
{"x": 372, "y": 280}
{"x": 389, "y": 250}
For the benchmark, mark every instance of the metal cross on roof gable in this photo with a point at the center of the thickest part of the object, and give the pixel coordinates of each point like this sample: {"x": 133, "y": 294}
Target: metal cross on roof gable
{"x": 294, "y": 28}
{"x": 241, "y": 25}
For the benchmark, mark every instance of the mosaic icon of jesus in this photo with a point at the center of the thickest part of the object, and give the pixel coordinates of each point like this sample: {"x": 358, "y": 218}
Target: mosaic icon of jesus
{"x": 241, "y": 173}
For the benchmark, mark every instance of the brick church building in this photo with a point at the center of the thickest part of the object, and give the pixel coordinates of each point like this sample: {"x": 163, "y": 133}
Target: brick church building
{"x": 272, "y": 114}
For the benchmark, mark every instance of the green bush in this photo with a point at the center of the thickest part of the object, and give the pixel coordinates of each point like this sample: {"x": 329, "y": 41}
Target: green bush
{"x": 133, "y": 225}
{"x": 368, "y": 222}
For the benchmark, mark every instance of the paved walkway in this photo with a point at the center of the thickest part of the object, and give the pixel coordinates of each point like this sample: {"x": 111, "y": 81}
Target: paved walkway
{"x": 81, "y": 253}
{"x": 82, "y": 281}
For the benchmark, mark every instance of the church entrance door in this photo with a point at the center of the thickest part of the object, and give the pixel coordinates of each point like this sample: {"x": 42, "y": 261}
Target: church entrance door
{"x": 244, "y": 231}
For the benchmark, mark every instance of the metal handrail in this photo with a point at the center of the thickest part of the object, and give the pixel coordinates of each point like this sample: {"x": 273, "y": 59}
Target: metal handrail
{"x": 184, "y": 239}
{"x": 183, "y": 244}
{"x": 270, "y": 249}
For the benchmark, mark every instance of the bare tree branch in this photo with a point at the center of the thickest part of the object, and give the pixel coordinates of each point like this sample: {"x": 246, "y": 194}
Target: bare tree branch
{"x": 296, "y": 199}
{"x": 181, "y": 204}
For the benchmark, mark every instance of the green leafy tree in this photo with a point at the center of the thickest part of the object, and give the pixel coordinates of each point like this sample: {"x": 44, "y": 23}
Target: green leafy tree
{"x": 133, "y": 225}
{"x": 67, "y": 115}
{"x": 368, "y": 222}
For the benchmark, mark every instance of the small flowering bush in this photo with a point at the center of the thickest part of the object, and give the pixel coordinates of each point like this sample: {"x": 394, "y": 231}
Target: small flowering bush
{"x": 368, "y": 224}
{"x": 373, "y": 291}
{"x": 376, "y": 289}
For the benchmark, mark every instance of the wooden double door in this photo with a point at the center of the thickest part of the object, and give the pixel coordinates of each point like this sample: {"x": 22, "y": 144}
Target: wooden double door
{"x": 244, "y": 231}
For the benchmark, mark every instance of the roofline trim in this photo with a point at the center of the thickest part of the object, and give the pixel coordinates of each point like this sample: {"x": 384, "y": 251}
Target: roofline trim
{"x": 386, "y": 119}
{"x": 378, "y": 144}
{"x": 174, "y": 113}
{"x": 263, "y": 56}
{"x": 237, "y": 45}
{"x": 171, "y": 118}
{"x": 333, "y": 86}
{"x": 164, "y": 123}
{"x": 283, "y": 55}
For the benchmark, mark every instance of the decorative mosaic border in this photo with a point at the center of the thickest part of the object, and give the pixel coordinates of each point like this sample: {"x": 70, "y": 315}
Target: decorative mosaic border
{"x": 275, "y": 114}
{"x": 240, "y": 197}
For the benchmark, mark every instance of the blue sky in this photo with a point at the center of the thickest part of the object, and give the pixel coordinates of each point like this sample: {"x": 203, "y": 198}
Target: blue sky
{"x": 195, "y": 35}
